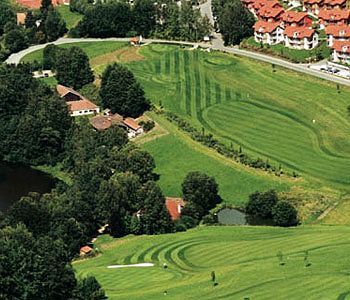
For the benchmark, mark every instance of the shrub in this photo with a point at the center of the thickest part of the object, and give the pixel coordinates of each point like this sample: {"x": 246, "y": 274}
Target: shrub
{"x": 147, "y": 125}
{"x": 284, "y": 214}
{"x": 261, "y": 204}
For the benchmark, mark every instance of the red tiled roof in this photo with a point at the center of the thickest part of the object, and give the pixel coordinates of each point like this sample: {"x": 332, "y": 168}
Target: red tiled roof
{"x": 266, "y": 27}
{"x": 341, "y": 46}
{"x": 35, "y": 4}
{"x": 131, "y": 123}
{"x": 81, "y": 105}
{"x": 261, "y": 3}
{"x": 334, "y": 2}
{"x": 313, "y": 2}
{"x": 299, "y": 32}
{"x": 63, "y": 91}
{"x": 21, "y": 18}
{"x": 334, "y": 14}
{"x": 104, "y": 122}
{"x": 174, "y": 206}
{"x": 294, "y": 16}
{"x": 270, "y": 12}
{"x": 338, "y": 30}
{"x": 86, "y": 249}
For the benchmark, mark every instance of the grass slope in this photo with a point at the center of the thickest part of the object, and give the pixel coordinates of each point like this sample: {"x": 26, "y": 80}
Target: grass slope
{"x": 245, "y": 103}
{"x": 176, "y": 154}
{"x": 71, "y": 18}
{"x": 244, "y": 259}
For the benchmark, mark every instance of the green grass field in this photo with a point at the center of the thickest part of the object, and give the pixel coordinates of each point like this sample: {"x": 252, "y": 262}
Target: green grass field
{"x": 92, "y": 50}
{"x": 243, "y": 258}
{"x": 270, "y": 114}
{"x": 71, "y": 18}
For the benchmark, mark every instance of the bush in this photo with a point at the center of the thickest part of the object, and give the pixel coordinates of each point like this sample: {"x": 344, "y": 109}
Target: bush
{"x": 147, "y": 125}
{"x": 261, "y": 204}
{"x": 284, "y": 214}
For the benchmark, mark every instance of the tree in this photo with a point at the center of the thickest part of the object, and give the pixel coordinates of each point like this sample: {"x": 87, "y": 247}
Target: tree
{"x": 154, "y": 218}
{"x": 284, "y": 214}
{"x": 261, "y": 204}
{"x": 54, "y": 25}
{"x": 50, "y": 53}
{"x": 200, "y": 190}
{"x": 7, "y": 14}
{"x": 46, "y": 5}
{"x": 16, "y": 40}
{"x": 73, "y": 68}
{"x": 121, "y": 92}
{"x": 90, "y": 289}
{"x": 236, "y": 22}
{"x": 30, "y": 20}
{"x": 144, "y": 13}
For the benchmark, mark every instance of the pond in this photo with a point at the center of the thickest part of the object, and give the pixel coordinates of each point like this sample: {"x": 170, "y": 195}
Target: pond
{"x": 231, "y": 216}
{"x": 17, "y": 181}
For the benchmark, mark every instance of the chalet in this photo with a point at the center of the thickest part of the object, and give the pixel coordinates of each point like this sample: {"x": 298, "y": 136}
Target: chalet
{"x": 68, "y": 94}
{"x": 174, "y": 207}
{"x": 268, "y": 32}
{"x": 300, "y": 37}
{"x": 333, "y": 17}
{"x": 82, "y": 108}
{"x": 85, "y": 250}
{"x": 313, "y": 6}
{"x": 337, "y": 33}
{"x": 257, "y": 5}
{"x": 335, "y": 4}
{"x": 341, "y": 51}
{"x": 269, "y": 14}
{"x": 133, "y": 127}
{"x": 105, "y": 121}
{"x": 296, "y": 18}
{"x": 21, "y": 18}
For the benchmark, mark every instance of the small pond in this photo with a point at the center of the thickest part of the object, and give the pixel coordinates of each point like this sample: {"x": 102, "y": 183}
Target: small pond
{"x": 231, "y": 216}
{"x": 17, "y": 181}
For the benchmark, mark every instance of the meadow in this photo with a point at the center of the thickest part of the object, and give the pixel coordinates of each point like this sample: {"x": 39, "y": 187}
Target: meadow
{"x": 247, "y": 262}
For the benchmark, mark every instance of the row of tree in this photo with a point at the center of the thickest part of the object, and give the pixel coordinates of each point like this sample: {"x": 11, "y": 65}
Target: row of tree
{"x": 165, "y": 19}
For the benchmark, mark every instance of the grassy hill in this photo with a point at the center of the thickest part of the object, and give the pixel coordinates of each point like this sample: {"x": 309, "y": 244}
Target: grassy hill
{"x": 244, "y": 259}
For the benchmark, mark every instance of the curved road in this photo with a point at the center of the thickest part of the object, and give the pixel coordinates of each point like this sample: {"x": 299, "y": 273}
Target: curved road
{"x": 216, "y": 45}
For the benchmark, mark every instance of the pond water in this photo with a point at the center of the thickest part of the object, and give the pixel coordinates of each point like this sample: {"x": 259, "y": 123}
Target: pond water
{"x": 17, "y": 181}
{"x": 231, "y": 216}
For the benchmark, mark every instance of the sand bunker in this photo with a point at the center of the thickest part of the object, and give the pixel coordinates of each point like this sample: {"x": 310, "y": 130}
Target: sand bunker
{"x": 131, "y": 266}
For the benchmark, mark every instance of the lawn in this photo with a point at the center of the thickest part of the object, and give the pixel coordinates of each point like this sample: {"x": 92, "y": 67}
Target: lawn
{"x": 93, "y": 50}
{"x": 294, "y": 120}
{"x": 71, "y": 18}
{"x": 176, "y": 154}
{"x": 244, "y": 259}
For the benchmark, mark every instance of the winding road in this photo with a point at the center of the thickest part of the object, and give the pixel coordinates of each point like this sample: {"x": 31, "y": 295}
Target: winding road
{"x": 216, "y": 44}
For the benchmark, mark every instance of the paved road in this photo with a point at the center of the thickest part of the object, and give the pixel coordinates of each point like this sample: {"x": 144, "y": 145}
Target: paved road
{"x": 217, "y": 45}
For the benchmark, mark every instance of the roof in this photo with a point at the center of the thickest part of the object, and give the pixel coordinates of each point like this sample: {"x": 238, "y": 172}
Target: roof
{"x": 35, "y": 4}
{"x": 313, "y": 1}
{"x": 261, "y": 3}
{"x": 338, "y": 30}
{"x": 86, "y": 249}
{"x": 134, "y": 40}
{"x": 294, "y": 16}
{"x": 298, "y": 31}
{"x": 266, "y": 27}
{"x": 174, "y": 206}
{"x": 21, "y": 18}
{"x": 271, "y": 12}
{"x": 334, "y": 2}
{"x": 131, "y": 123}
{"x": 104, "y": 122}
{"x": 63, "y": 91}
{"x": 341, "y": 46}
{"x": 81, "y": 105}
{"x": 334, "y": 14}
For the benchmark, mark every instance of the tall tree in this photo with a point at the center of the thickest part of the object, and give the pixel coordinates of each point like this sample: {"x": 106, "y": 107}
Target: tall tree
{"x": 144, "y": 13}
{"x": 54, "y": 25}
{"x": 16, "y": 40}
{"x": 46, "y": 5}
{"x": 73, "y": 68}
{"x": 121, "y": 92}
{"x": 7, "y": 14}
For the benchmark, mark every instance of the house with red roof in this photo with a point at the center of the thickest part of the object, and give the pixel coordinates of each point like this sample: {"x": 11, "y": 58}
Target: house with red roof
{"x": 82, "y": 108}
{"x": 67, "y": 93}
{"x": 313, "y": 6}
{"x": 257, "y": 5}
{"x": 35, "y": 4}
{"x": 335, "y": 4}
{"x": 85, "y": 250}
{"x": 103, "y": 122}
{"x": 269, "y": 14}
{"x": 296, "y": 18}
{"x": 133, "y": 127}
{"x": 268, "y": 32}
{"x": 341, "y": 51}
{"x": 174, "y": 207}
{"x": 300, "y": 37}
{"x": 333, "y": 17}
{"x": 337, "y": 33}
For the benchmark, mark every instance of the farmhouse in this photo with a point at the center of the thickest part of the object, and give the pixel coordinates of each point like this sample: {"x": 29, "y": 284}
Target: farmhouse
{"x": 133, "y": 127}
{"x": 269, "y": 14}
{"x": 333, "y": 17}
{"x": 295, "y": 18}
{"x": 268, "y": 32}
{"x": 68, "y": 93}
{"x": 337, "y": 33}
{"x": 341, "y": 51}
{"x": 300, "y": 37}
{"x": 313, "y": 6}
{"x": 105, "y": 121}
{"x": 82, "y": 108}
{"x": 174, "y": 207}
